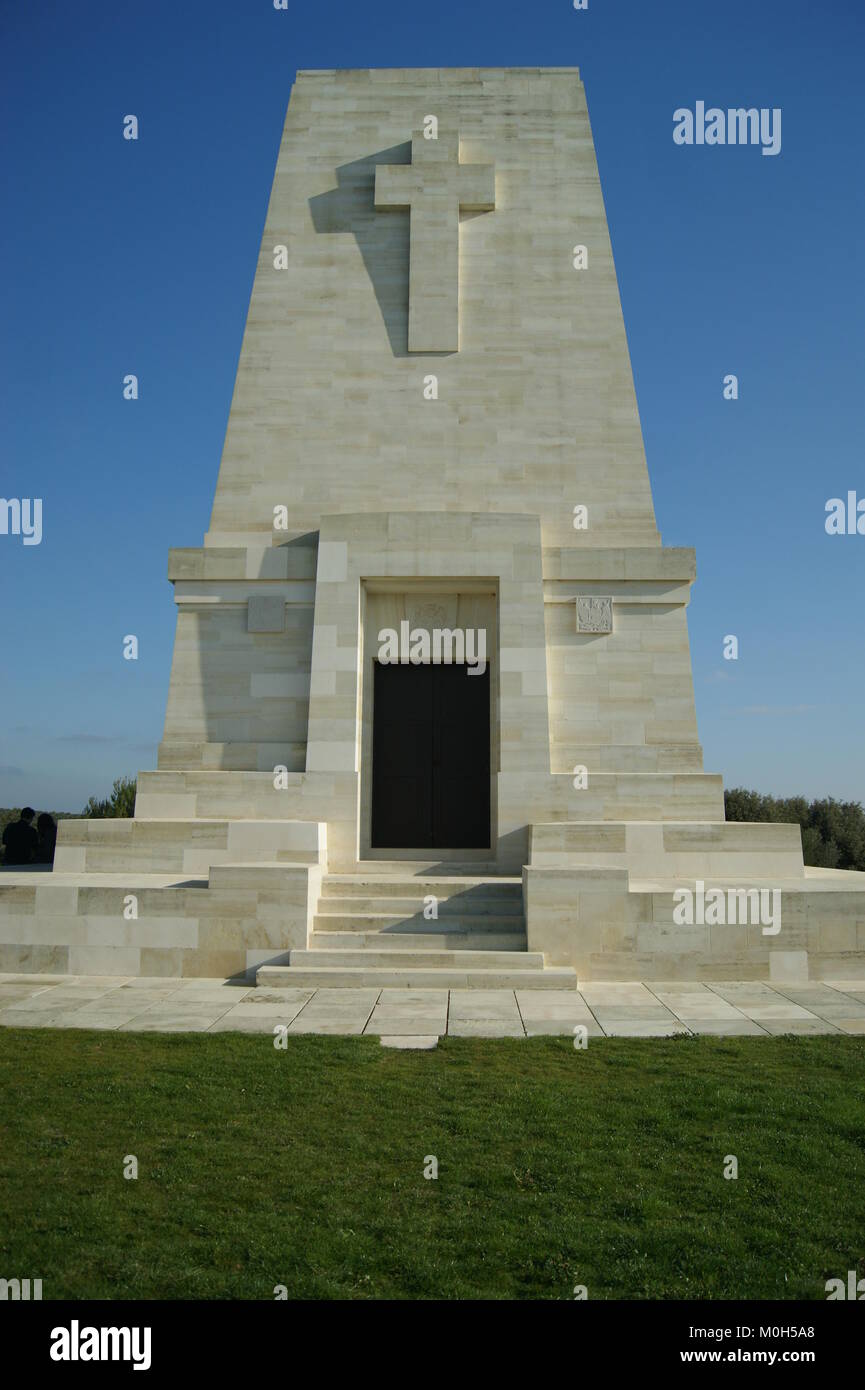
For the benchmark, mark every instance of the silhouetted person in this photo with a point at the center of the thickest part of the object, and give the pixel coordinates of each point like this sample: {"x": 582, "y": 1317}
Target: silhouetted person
{"x": 20, "y": 840}
{"x": 47, "y": 829}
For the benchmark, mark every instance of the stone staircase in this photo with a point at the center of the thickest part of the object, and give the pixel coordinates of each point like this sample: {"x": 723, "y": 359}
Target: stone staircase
{"x": 370, "y": 930}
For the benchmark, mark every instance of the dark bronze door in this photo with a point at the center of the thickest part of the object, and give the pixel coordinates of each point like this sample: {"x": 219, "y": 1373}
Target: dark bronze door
{"x": 430, "y": 758}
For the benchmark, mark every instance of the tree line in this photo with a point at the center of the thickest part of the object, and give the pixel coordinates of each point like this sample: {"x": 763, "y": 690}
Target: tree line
{"x": 833, "y": 832}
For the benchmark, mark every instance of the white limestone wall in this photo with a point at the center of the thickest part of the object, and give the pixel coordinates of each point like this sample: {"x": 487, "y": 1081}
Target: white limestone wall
{"x": 239, "y": 696}
{"x": 66, "y": 924}
{"x": 589, "y": 918}
{"x": 535, "y": 414}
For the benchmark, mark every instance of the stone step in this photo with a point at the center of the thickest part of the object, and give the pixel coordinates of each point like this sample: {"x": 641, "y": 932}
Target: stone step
{"x": 178, "y": 846}
{"x": 416, "y": 977}
{"x": 703, "y": 849}
{"x": 381, "y": 921}
{"x": 398, "y": 940}
{"x": 412, "y": 958}
{"x": 410, "y": 905}
{"x": 477, "y": 870}
{"x": 368, "y": 885}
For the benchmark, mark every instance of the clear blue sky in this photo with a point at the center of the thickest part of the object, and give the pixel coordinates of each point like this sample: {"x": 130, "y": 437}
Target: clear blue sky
{"x": 119, "y": 257}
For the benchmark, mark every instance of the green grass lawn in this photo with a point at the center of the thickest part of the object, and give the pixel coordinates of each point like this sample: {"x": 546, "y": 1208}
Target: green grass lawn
{"x": 304, "y": 1167}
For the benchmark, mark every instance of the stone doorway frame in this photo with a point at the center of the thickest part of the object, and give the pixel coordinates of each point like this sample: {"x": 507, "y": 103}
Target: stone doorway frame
{"x": 430, "y": 602}
{"x": 470, "y": 552}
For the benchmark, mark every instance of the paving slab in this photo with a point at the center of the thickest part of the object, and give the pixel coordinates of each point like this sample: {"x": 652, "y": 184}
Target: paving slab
{"x": 832, "y": 1012}
{"x": 498, "y": 1005}
{"x": 751, "y": 991}
{"x": 615, "y": 1008}
{"x": 264, "y": 998}
{"x": 209, "y": 996}
{"x": 613, "y": 992}
{"x": 342, "y": 997}
{"x": 192, "y": 1009}
{"x": 438, "y": 1006}
{"x": 608, "y": 1013}
{"x": 778, "y": 1026}
{"x": 435, "y": 997}
{"x": 782, "y": 1010}
{"x": 828, "y": 1003}
{"x": 108, "y": 981}
{"x": 711, "y": 1007}
{"x": 11, "y": 994}
{"x": 677, "y": 986}
{"x": 36, "y": 1004}
{"x": 484, "y": 1028}
{"x": 168, "y": 1023}
{"x": 555, "y": 1015}
{"x": 341, "y": 1026}
{"x": 69, "y": 999}
{"x": 42, "y": 1018}
{"x": 560, "y": 1028}
{"x": 334, "y": 1012}
{"x": 233, "y": 1022}
{"x": 417, "y": 1043}
{"x": 266, "y": 1014}
{"x": 102, "y": 1020}
{"x": 644, "y": 1028}
{"x": 552, "y": 1003}
{"x": 389, "y": 1024}
{"x": 81, "y": 1018}
{"x": 143, "y": 998}
{"x": 403, "y": 1011}
{"x": 812, "y": 992}
{"x": 727, "y": 1027}
{"x": 694, "y": 997}
{"x": 154, "y": 982}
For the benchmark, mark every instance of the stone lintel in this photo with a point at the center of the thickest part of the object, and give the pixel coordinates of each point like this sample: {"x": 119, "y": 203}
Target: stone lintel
{"x": 255, "y": 561}
{"x": 411, "y": 527}
{"x": 603, "y": 563}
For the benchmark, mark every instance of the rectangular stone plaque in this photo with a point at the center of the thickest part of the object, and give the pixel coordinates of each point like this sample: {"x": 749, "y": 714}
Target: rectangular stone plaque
{"x": 594, "y": 614}
{"x": 266, "y": 613}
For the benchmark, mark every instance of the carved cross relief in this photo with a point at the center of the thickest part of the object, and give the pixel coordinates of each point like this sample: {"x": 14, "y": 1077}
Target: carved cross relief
{"x": 434, "y": 188}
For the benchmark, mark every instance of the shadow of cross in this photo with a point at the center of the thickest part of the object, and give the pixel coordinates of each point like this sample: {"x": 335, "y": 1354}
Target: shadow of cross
{"x": 435, "y": 188}
{"x": 382, "y": 241}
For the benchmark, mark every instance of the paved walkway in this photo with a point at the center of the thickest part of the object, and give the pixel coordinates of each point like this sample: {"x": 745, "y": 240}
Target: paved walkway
{"x": 616, "y": 1010}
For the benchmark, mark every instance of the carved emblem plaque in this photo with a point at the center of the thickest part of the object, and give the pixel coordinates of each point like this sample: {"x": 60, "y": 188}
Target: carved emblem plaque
{"x": 594, "y": 614}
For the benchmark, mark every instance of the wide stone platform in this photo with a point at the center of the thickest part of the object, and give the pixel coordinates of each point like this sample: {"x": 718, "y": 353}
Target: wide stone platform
{"x": 448, "y": 443}
{"x": 596, "y": 901}
{"x": 627, "y": 1009}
